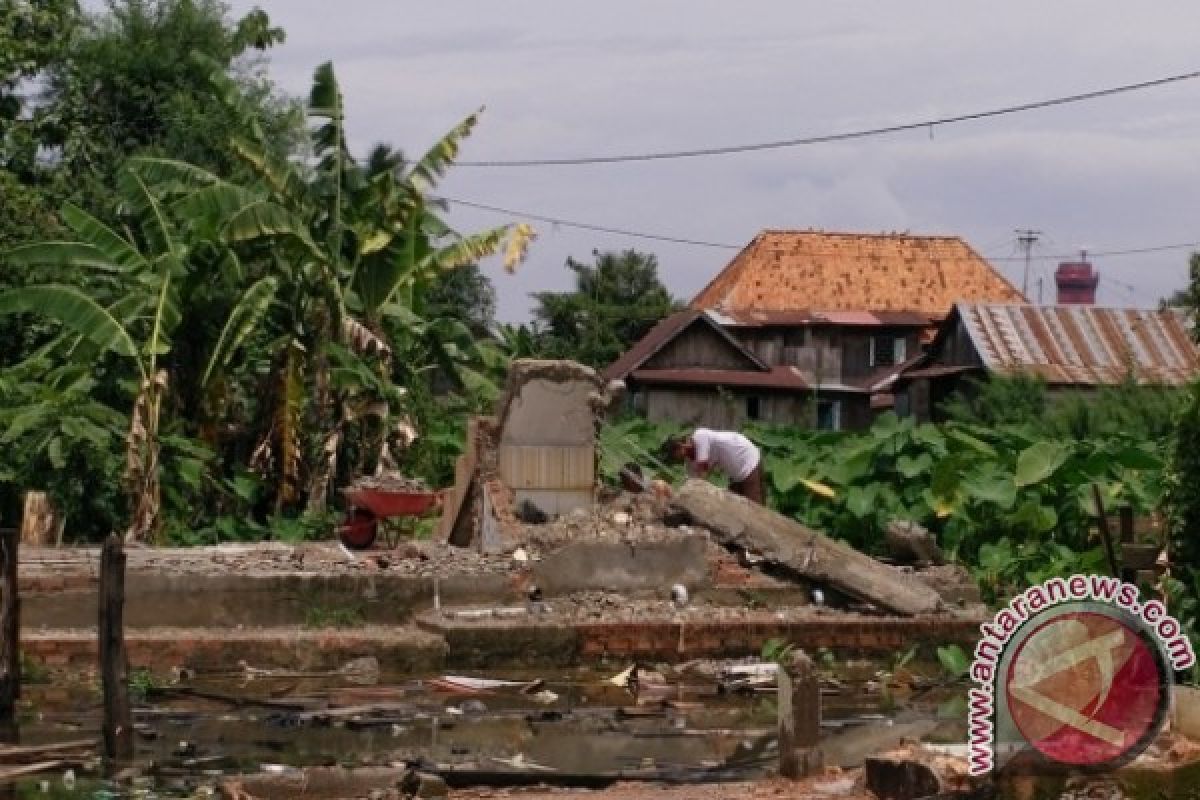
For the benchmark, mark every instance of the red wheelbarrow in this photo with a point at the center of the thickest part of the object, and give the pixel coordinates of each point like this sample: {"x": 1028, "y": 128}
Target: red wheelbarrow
{"x": 366, "y": 507}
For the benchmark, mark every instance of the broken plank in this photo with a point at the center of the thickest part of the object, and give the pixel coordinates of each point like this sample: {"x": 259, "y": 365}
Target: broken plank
{"x": 785, "y": 543}
{"x": 16, "y": 773}
{"x": 19, "y": 753}
{"x": 330, "y": 714}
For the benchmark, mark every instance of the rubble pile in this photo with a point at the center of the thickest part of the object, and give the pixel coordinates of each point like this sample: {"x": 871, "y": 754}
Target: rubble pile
{"x": 391, "y": 482}
{"x": 628, "y": 519}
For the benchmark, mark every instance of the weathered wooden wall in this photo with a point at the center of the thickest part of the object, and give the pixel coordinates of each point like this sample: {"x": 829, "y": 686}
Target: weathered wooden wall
{"x": 728, "y": 409}
{"x": 829, "y": 353}
{"x": 699, "y": 347}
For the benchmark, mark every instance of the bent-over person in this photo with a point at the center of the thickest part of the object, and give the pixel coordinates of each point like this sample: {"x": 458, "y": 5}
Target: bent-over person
{"x": 729, "y": 452}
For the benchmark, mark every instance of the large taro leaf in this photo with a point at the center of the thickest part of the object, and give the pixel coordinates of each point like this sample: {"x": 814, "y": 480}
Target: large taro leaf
{"x": 1035, "y": 516}
{"x": 912, "y": 466}
{"x": 1039, "y": 461}
{"x": 990, "y": 484}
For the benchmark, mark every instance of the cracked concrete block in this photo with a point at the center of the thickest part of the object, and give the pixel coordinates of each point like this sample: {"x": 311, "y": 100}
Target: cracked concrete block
{"x": 547, "y": 441}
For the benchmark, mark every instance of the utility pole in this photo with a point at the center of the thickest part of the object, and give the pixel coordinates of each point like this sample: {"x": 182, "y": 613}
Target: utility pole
{"x": 1026, "y": 238}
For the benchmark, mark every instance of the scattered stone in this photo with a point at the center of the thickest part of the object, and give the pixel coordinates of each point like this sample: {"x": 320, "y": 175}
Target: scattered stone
{"x": 472, "y": 707}
{"x": 361, "y": 671}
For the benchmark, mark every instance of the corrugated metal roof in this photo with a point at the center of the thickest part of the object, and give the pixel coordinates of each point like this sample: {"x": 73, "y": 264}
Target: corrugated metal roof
{"x": 1083, "y": 345}
{"x": 790, "y": 270}
{"x": 753, "y": 319}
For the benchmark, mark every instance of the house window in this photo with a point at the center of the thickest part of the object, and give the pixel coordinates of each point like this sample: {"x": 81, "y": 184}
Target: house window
{"x": 829, "y": 415}
{"x": 753, "y": 408}
{"x": 888, "y": 350}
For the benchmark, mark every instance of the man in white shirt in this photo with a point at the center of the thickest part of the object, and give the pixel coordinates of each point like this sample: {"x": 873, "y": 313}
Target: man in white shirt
{"x": 728, "y": 451}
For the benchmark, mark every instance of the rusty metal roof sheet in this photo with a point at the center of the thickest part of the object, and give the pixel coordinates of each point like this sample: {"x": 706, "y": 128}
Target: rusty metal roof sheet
{"x": 1083, "y": 345}
{"x": 791, "y": 270}
{"x": 753, "y": 319}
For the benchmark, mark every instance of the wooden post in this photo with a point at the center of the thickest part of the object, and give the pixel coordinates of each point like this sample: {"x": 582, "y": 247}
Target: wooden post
{"x": 114, "y": 668}
{"x": 799, "y": 712}
{"x": 10, "y": 652}
{"x": 1110, "y": 551}
{"x": 1126, "y": 513}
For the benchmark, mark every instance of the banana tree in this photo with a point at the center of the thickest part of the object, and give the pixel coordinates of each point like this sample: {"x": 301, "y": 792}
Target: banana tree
{"x": 352, "y": 243}
{"x": 142, "y": 277}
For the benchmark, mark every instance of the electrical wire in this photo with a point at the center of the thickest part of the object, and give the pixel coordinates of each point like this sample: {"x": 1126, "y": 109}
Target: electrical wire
{"x": 588, "y": 226}
{"x": 928, "y": 124}
{"x": 1131, "y": 251}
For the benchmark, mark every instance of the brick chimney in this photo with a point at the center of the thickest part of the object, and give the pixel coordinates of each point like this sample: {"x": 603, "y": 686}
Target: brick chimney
{"x": 1076, "y": 282}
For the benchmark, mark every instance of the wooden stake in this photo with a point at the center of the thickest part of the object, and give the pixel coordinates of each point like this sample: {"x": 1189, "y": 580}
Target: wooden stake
{"x": 114, "y": 667}
{"x": 1110, "y": 552}
{"x": 10, "y": 645}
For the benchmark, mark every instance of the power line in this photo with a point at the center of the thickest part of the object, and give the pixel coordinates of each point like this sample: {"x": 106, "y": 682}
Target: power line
{"x": 587, "y": 226}
{"x": 660, "y": 237}
{"x": 1124, "y": 252}
{"x": 929, "y": 124}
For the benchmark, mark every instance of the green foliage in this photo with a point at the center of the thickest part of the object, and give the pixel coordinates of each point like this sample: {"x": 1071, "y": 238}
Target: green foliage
{"x": 1015, "y": 506}
{"x": 778, "y": 651}
{"x": 1183, "y": 516}
{"x": 277, "y": 309}
{"x": 142, "y": 684}
{"x": 465, "y": 295}
{"x": 320, "y": 616}
{"x": 33, "y": 672}
{"x": 1025, "y": 401}
{"x": 954, "y": 661}
{"x": 636, "y": 440}
{"x": 125, "y": 86}
{"x": 614, "y": 303}
{"x": 59, "y": 439}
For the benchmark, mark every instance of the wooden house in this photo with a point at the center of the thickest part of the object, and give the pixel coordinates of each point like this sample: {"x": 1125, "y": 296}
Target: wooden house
{"x": 1070, "y": 347}
{"x": 805, "y": 328}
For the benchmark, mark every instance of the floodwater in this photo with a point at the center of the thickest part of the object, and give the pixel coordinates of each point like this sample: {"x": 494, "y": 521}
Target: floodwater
{"x": 575, "y": 723}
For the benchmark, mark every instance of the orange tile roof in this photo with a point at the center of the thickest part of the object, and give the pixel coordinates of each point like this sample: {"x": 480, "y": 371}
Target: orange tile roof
{"x": 789, "y": 270}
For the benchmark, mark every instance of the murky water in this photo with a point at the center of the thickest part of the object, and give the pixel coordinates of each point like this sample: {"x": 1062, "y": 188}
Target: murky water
{"x": 576, "y": 723}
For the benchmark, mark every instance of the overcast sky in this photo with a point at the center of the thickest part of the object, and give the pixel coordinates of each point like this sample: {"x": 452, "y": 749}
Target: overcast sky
{"x": 571, "y": 78}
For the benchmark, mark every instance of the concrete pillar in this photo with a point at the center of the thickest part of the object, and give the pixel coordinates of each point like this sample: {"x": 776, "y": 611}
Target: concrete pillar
{"x": 799, "y": 702}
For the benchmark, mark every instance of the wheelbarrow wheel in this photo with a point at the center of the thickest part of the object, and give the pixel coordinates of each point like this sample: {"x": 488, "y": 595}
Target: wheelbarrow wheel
{"x": 359, "y": 529}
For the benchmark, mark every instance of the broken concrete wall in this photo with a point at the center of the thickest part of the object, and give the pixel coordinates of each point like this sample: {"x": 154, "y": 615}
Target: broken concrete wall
{"x": 547, "y": 445}
{"x": 625, "y": 567}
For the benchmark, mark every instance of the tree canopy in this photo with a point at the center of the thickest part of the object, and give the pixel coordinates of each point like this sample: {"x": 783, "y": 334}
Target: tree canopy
{"x": 220, "y": 311}
{"x": 616, "y": 300}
